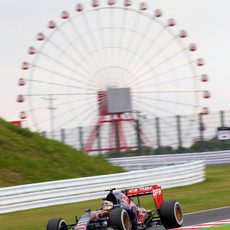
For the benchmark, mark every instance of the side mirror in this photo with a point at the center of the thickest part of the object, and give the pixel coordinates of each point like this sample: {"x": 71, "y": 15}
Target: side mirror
{"x": 110, "y": 190}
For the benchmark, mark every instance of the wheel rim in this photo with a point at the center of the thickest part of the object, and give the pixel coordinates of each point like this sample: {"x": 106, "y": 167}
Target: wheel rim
{"x": 62, "y": 225}
{"x": 178, "y": 213}
{"x": 126, "y": 221}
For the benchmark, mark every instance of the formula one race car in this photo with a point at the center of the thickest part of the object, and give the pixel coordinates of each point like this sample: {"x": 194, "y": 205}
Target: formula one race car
{"x": 120, "y": 211}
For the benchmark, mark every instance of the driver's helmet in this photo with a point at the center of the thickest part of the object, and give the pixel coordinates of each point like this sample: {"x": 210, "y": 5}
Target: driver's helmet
{"x": 107, "y": 205}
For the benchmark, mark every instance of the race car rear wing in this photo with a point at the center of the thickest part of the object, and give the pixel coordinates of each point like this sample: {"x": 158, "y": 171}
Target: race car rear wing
{"x": 155, "y": 190}
{"x": 132, "y": 192}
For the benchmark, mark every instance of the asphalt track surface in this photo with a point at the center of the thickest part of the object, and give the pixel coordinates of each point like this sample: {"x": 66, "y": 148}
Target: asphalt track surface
{"x": 203, "y": 217}
{"x": 206, "y": 216}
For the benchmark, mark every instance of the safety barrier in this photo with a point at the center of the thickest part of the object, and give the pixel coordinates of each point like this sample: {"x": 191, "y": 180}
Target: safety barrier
{"x": 24, "y": 197}
{"x": 152, "y": 161}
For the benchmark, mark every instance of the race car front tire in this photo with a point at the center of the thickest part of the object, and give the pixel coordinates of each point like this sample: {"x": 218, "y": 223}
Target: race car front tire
{"x": 119, "y": 218}
{"x": 171, "y": 214}
{"x": 56, "y": 224}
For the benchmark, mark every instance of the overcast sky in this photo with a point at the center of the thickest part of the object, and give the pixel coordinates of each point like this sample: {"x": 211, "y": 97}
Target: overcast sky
{"x": 207, "y": 22}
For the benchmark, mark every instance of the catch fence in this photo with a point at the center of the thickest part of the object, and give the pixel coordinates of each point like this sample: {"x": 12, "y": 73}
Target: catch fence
{"x": 176, "y": 132}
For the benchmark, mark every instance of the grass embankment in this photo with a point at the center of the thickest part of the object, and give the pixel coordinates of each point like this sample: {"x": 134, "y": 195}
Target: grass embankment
{"x": 27, "y": 157}
{"x": 212, "y": 193}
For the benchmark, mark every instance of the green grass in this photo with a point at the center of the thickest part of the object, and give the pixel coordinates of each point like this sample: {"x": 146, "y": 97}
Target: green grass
{"x": 221, "y": 227}
{"x": 27, "y": 157}
{"x": 212, "y": 193}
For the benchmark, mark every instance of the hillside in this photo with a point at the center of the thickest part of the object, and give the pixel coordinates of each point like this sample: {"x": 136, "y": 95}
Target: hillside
{"x": 27, "y": 157}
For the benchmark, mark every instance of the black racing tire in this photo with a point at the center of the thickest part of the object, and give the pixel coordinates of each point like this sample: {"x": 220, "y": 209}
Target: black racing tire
{"x": 171, "y": 214}
{"x": 119, "y": 218}
{"x": 56, "y": 224}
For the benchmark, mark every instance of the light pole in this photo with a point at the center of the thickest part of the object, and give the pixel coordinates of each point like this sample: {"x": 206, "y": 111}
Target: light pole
{"x": 51, "y": 109}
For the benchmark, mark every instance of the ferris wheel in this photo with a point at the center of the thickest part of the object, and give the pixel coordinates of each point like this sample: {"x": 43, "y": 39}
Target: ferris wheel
{"x": 110, "y": 45}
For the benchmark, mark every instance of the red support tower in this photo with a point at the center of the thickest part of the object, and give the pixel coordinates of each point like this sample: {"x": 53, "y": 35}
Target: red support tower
{"x": 114, "y": 119}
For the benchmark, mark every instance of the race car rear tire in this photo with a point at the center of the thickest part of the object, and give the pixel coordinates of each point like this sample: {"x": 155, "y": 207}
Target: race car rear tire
{"x": 119, "y": 218}
{"x": 56, "y": 224}
{"x": 171, "y": 214}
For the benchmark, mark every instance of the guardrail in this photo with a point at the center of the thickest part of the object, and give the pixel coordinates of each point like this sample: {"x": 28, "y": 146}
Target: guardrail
{"x": 38, "y": 195}
{"x": 152, "y": 161}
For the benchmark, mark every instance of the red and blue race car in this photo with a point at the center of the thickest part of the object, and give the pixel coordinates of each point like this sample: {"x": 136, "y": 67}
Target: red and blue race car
{"x": 122, "y": 210}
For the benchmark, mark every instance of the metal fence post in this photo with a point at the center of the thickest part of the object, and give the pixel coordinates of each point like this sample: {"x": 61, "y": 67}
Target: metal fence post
{"x": 138, "y": 135}
{"x": 80, "y": 134}
{"x": 201, "y": 127}
{"x": 63, "y": 136}
{"x": 44, "y": 133}
{"x": 222, "y": 124}
{"x": 117, "y": 137}
{"x": 222, "y": 120}
{"x": 98, "y": 139}
{"x": 158, "y": 135}
{"x": 179, "y": 131}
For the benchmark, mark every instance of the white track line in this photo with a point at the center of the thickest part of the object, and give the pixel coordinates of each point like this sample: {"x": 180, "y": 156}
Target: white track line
{"x": 214, "y": 209}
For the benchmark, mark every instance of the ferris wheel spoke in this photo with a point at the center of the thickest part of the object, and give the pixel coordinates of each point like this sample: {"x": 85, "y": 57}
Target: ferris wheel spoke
{"x": 104, "y": 48}
{"x": 36, "y": 109}
{"x": 70, "y": 111}
{"x": 67, "y": 67}
{"x": 130, "y": 39}
{"x": 77, "y": 51}
{"x": 82, "y": 105}
{"x": 99, "y": 60}
{"x": 132, "y": 31}
{"x": 165, "y": 101}
{"x": 59, "y": 74}
{"x": 154, "y": 106}
{"x": 76, "y": 115}
{"x": 167, "y": 59}
{"x": 91, "y": 116}
{"x": 78, "y": 35}
{"x": 160, "y": 50}
{"x": 58, "y": 94}
{"x": 56, "y": 117}
{"x": 115, "y": 48}
{"x": 159, "y": 64}
{"x": 111, "y": 36}
{"x": 170, "y": 91}
{"x": 138, "y": 81}
{"x": 137, "y": 46}
{"x": 57, "y": 104}
{"x": 64, "y": 52}
{"x": 60, "y": 85}
{"x": 84, "y": 44}
{"x": 148, "y": 49}
{"x": 121, "y": 37}
{"x": 69, "y": 42}
{"x": 73, "y": 101}
{"x": 101, "y": 36}
{"x": 171, "y": 81}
